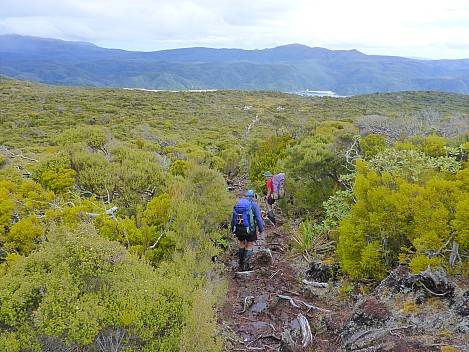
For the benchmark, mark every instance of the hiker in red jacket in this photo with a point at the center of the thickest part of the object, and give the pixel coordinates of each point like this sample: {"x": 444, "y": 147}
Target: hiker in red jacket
{"x": 268, "y": 198}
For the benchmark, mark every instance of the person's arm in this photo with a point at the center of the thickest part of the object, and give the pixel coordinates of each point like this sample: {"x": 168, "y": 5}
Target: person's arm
{"x": 258, "y": 216}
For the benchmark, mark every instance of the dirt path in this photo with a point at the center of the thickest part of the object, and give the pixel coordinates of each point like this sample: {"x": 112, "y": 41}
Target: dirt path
{"x": 266, "y": 308}
{"x": 273, "y": 309}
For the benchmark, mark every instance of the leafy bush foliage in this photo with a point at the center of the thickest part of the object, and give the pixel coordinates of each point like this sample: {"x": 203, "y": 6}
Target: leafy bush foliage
{"x": 80, "y": 287}
{"x": 407, "y": 208}
{"x": 314, "y": 165}
{"x": 109, "y": 244}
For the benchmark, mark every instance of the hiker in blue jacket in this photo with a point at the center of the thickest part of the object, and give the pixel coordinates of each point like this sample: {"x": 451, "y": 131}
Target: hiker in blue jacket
{"x": 247, "y": 234}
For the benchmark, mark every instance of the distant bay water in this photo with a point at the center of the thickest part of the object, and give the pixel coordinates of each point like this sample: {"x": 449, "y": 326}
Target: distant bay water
{"x": 319, "y": 93}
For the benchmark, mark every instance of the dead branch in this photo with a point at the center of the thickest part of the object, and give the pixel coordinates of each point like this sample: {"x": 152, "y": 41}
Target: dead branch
{"x": 376, "y": 332}
{"x": 11, "y": 155}
{"x": 352, "y": 155}
{"x": 248, "y": 301}
{"x": 443, "y": 246}
{"x": 272, "y": 337}
{"x": 315, "y": 284}
{"x": 307, "y": 336}
{"x": 292, "y": 302}
{"x": 433, "y": 293}
{"x": 251, "y": 342}
{"x": 455, "y": 254}
{"x": 310, "y": 306}
{"x": 162, "y": 232}
{"x": 360, "y": 336}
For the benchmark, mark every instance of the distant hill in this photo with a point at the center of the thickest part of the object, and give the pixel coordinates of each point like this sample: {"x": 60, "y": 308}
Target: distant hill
{"x": 289, "y": 68}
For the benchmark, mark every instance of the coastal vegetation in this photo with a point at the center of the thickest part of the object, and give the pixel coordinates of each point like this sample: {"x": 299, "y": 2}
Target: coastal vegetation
{"x": 115, "y": 202}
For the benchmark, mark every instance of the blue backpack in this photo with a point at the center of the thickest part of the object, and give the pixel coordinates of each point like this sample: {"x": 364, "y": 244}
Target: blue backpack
{"x": 243, "y": 215}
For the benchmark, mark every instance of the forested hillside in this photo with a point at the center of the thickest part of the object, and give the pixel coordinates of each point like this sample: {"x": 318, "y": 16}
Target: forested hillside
{"x": 288, "y": 68}
{"x": 114, "y": 203}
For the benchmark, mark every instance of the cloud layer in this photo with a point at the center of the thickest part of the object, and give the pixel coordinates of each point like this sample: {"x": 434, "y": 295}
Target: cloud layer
{"x": 418, "y": 28}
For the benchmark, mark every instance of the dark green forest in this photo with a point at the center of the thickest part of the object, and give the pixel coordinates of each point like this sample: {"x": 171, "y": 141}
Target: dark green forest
{"x": 113, "y": 202}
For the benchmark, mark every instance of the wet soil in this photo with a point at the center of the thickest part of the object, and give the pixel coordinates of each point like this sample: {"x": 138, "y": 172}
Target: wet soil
{"x": 265, "y": 303}
{"x": 264, "y": 309}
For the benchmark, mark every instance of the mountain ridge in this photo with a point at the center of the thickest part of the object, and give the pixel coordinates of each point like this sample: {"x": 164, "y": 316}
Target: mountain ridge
{"x": 287, "y": 68}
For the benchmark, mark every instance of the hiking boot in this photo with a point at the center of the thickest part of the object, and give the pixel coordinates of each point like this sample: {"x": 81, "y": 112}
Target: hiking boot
{"x": 270, "y": 216}
{"x": 247, "y": 261}
{"x": 241, "y": 254}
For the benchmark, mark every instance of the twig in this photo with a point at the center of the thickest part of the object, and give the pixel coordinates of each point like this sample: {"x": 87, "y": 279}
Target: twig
{"x": 355, "y": 339}
{"x": 248, "y": 300}
{"x": 292, "y": 292}
{"x": 433, "y": 293}
{"x": 251, "y": 342}
{"x": 391, "y": 330}
{"x": 272, "y": 337}
{"x": 275, "y": 274}
{"x": 309, "y": 306}
{"x": 248, "y": 319}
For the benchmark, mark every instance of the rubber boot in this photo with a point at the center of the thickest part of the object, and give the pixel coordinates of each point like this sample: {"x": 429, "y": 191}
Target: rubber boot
{"x": 247, "y": 261}
{"x": 270, "y": 215}
{"x": 241, "y": 254}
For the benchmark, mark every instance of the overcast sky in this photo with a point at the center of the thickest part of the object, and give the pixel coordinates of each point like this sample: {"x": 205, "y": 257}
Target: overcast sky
{"x": 434, "y": 29}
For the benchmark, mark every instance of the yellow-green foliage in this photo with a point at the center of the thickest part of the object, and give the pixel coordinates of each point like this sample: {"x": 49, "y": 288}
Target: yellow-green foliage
{"x": 461, "y": 223}
{"x": 179, "y": 167}
{"x": 314, "y": 165}
{"x": 403, "y": 200}
{"x": 432, "y": 145}
{"x": 54, "y": 172}
{"x": 79, "y": 287}
{"x": 23, "y": 235}
{"x": 232, "y": 160}
{"x": 93, "y": 136}
{"x": 156, "y": 211}
{"x": 3, "y": 160}
{"x": 122, "y": 230}
{"x": 199, "y": 205}
{"x": 59, "y": 181}
{"x": 157, "y": 157}
{"x": 7, "y": 204}
{"x": 95, "y": 173}
{"x": 372, "y": 144}
{"x": 421, "y": 262}
{"x": 266, "y": 155}
{"x": 450, "y": 349}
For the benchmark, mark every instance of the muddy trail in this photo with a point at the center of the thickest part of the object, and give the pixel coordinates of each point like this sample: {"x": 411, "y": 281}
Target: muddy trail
{"x": 279, "y": 306}
{"x": 269, "y": 309}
